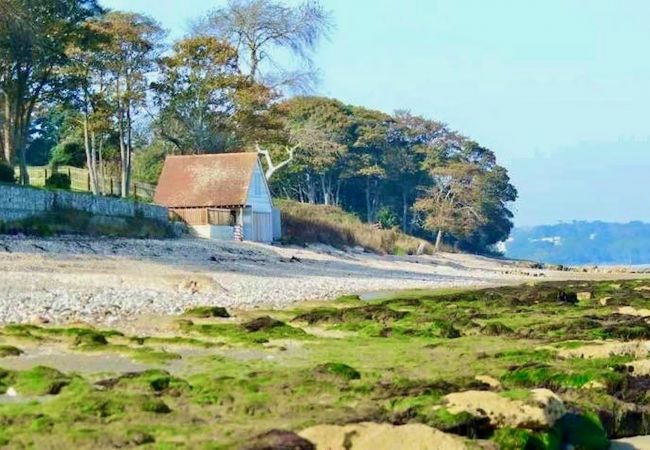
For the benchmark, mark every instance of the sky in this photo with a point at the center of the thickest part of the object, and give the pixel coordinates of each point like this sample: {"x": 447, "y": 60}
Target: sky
{"x": 558, "y": 89}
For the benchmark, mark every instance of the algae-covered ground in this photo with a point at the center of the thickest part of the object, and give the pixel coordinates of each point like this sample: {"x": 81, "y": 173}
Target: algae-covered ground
{"x": 546, "y": 365}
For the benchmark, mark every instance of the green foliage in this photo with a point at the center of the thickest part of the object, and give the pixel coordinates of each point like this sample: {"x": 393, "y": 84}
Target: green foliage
{"x": 148, "y": 163}
{"x": 6, "y": 173}
{"x": 58, "y": 181}
{"x": 69, "y": 152}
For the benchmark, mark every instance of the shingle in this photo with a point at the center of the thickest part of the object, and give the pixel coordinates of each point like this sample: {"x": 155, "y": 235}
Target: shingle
{"x": 205, "y": 180}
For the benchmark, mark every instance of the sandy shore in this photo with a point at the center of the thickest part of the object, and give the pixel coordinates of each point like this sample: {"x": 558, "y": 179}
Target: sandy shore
{"x": 110, "y": 280}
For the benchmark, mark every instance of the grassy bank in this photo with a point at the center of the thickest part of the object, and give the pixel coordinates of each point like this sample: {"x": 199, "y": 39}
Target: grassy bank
{"x": 73, "y": 222}
{"x": 306, "y": 224}
{"x": 215, "y": 381}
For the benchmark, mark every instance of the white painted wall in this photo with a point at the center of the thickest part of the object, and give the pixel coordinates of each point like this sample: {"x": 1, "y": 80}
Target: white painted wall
{"x": 259, "y": 195}
{"x": 258, "y": 223}
{"x": 220, "y": 232}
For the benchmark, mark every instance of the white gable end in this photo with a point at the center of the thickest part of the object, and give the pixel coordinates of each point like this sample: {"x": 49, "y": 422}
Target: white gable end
{"x": 259, "y": 195}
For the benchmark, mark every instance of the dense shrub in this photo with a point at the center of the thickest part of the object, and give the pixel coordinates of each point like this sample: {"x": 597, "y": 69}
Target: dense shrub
{"x": 70, "y": 152}
{"x": 6, "y": 173}
{"x": 58, "y": 181}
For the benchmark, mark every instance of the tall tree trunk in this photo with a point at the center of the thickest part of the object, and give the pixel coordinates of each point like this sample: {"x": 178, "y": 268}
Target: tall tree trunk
{"x": 405, "y": 210}
{"x": 368, "y": 202}
{"x": 90, "y": 150}
{"x": 20, "y": 143}
{"x": 311, "y": 189}
{"x": 129, "y": 147}
{"x": 102, "y": 172}
{"x": 120, "y": 129}
{"x": 438, "y": 240}
{"x": 6, "y": 131}
{"x": 326, "y": 186}
{"x": 93, "y": 163}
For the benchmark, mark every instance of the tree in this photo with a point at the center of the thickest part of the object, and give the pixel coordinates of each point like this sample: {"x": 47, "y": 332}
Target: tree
{"x": 129, "y": 55}
{"x": 203, "y": 99}
{"x": 452, "y": 204}
{"x": 409, "y": 138}
{"x": 469, "y": 195}
{"x": 261, "y": 30}
{"x": 88, "y": 87}
{"x": 32, "y": 50}
{"x": 319, "y": 129}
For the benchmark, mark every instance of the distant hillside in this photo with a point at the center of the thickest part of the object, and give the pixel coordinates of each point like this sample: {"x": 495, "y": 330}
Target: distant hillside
{"x": 582, "y": 243}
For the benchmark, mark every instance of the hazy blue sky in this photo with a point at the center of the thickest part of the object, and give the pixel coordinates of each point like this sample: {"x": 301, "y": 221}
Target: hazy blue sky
{"x": 559, "y": 89}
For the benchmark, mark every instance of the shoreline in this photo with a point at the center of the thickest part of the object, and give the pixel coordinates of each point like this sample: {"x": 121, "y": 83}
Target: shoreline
{"x": 108, "y": 281}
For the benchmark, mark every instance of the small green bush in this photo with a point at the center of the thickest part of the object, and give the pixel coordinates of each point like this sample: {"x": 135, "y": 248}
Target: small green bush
{"x": 7, "y": 173}
{"x": 58, "y": 181}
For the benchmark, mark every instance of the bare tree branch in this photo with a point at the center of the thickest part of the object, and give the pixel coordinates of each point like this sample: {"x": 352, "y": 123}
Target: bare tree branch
{"x": 271, "y": 167}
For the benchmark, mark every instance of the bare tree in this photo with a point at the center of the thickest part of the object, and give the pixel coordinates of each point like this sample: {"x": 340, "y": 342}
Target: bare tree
{"x": 263, "y": 29}
{"x": 271, "y": 168}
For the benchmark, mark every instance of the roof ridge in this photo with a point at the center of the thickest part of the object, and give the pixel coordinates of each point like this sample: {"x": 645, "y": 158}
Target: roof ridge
{"x": 212, "y": 155}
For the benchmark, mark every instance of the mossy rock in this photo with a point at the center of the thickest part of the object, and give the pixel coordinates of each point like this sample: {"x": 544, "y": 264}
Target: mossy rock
{"x": 582, "y": 432}
{"x": 278, "y": 439}
{"x": 155, "y": 405}
{"x": 204, "y": 312}
{"x": 40, "y": 380}
{"x": 263, "y": 323}
{"x": 496, "y": 329}
{"x": 158, "y": 381}
{"x": 90, "y": 338}
{"x": 9, "y": 350}
{"x": 339, "y": 370}
{"x": 374, "y": 313}
{"x": 137, "y": 437}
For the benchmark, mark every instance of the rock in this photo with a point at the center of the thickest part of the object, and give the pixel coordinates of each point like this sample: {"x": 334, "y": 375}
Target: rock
{"x": 279, "y": 440}
{"x": 205, "y": 312}
{"x": 605, "y": 349}
{"x": 490, "y": 381}
{"x": 262, "y": 324}
{"x": 632, "y": 443}
{"x": 567, "y": 297}
{"x": 539, "y": 412}
{"x": 640, "y": 368}
{"x": 603, "y": 301}
{"x": 39, "y": 320}
{"x": 584, "y": 295}
{"x": 381, "y": 436}
{"x": 630, "y": 311}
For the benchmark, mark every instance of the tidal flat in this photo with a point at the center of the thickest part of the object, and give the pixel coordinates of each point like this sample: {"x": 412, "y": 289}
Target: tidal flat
{"x": 539, "y": 366}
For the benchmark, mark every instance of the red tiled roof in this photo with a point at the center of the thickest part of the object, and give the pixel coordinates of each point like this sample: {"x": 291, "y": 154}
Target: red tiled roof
{"x": 205, "y": 180}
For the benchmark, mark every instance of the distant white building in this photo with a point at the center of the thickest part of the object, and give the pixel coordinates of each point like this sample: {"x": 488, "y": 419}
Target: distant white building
{"x": 221, "y": 196}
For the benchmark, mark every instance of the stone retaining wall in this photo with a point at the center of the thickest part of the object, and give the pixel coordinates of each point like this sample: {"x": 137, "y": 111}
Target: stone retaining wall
{"x": 17, "y": 202}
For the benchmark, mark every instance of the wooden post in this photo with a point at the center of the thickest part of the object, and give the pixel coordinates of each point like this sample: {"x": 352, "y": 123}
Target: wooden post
{"x": 111, "y": 179}
{"x": 45, "y": 175}
{"x": 135, "y": 190}
{"x": 88, "y": 181}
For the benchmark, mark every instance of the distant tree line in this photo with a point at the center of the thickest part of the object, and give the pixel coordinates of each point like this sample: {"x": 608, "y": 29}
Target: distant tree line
{"x": 100, "y": 89}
